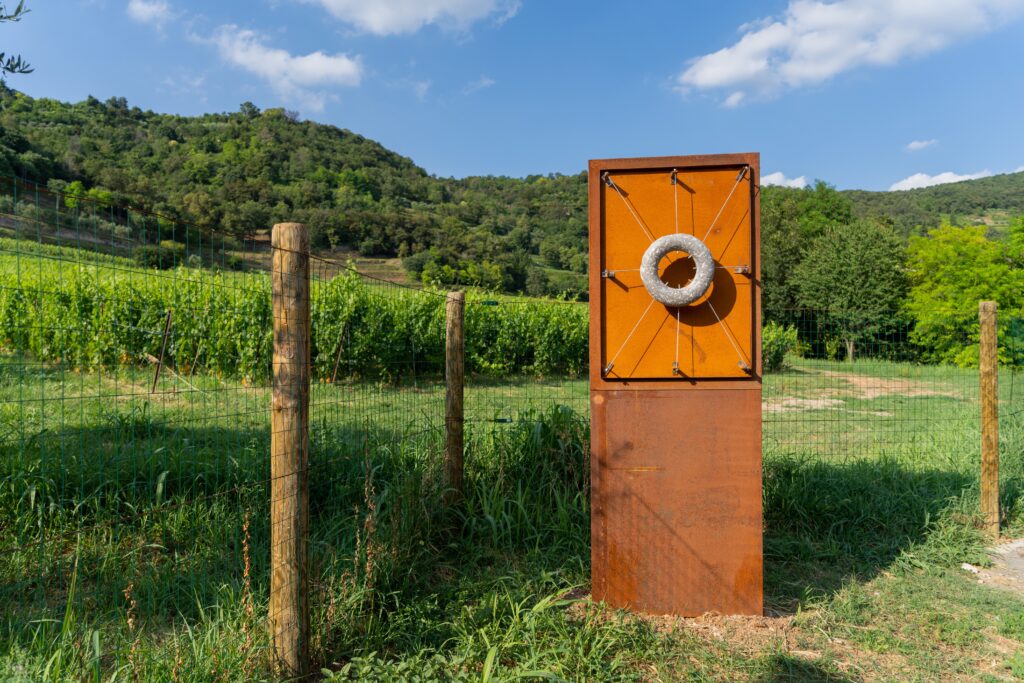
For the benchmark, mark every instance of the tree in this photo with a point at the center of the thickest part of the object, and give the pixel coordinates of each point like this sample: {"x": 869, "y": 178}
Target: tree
{"x": 853, "y": 276}
{"x": 72, "y": 193}
{"x": 790, "y": 220}
{"x": 13, "y": 64}
{"x": 952, "y": 269}
{"x": 249, "y": 110}
{"x": 821, "y": 207}
{"x": 781, "y": 252}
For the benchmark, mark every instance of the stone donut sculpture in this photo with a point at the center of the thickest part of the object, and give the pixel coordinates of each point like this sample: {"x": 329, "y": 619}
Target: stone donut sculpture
{"x": 695, "y": 288}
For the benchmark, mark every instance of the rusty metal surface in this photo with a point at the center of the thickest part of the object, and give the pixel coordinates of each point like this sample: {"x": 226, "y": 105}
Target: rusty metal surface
{"x": 676, "y": 458}
{"x": 718, "y": 334}
{"x": 676, "y": 515}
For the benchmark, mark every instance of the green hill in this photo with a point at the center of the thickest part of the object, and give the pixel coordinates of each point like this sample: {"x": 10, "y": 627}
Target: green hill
{"x": 240, "y": 172}
{"x": 992, "y": 201}
{"x": 243, "y": 171}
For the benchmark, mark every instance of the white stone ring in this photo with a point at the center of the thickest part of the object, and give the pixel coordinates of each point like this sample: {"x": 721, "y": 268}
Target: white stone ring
{"x": 695, "y": 288}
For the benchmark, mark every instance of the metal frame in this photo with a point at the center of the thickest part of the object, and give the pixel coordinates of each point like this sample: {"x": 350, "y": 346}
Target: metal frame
{"x": 597, "y": 168}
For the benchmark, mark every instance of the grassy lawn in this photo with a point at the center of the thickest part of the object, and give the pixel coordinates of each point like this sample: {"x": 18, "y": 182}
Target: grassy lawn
{"x": 135, "y": 538}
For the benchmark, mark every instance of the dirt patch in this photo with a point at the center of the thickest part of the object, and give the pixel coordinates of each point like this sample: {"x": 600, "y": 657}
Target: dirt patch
{"x": 749, "y": 634}
{"x": 1007, "y": 570}
{"x": 758, "y": 636}
{"x": 866, "y": 387}
{"x": 790, "y": 404}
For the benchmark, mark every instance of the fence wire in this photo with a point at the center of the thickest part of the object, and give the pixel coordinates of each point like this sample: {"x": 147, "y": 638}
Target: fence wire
{"x": 849, "y": 391}
{"x": 136, "y": 382}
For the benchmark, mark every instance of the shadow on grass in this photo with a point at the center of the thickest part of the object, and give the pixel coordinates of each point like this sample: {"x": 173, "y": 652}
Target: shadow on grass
{"x": 827, "y": 523}
{"x": 522, "y": 532}
{"x": 784, "y": 667}
{"x": 163, "y": 507}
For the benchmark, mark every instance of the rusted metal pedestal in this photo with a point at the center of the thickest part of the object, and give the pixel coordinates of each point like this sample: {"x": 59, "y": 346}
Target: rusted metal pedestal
{"x": 675, "y": 392}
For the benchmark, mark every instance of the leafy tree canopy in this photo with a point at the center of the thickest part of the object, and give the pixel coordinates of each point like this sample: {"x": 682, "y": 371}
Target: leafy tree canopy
{"x": 241, "y": 172}
{"x": 951, "y": 270}
{"x": 13, "y": 64}
{"x": 853, "y": 275}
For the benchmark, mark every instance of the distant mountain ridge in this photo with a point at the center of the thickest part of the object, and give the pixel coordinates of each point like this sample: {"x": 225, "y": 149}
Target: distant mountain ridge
{"x": 993, "y": 199}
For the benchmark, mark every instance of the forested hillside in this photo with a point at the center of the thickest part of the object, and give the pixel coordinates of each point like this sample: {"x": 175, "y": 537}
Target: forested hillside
{"x": 243, "y": 171}
{"x": 998, "y": 197}
{"x": 240, "y": 172}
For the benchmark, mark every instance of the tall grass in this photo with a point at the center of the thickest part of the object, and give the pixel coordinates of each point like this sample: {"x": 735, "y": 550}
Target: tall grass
{"x": 407, "y": 589}
{"x": 398, "y": 577}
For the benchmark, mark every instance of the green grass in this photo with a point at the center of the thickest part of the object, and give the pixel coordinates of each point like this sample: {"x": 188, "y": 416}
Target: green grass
{"x": 870, "y": 501}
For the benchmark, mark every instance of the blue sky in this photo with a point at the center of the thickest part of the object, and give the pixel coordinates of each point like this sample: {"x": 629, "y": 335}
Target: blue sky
{"x": 871, "y": 94}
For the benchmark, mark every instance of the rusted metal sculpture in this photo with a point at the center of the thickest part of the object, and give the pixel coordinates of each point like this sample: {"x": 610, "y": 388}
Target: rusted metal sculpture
{"x": 675, "y": 384}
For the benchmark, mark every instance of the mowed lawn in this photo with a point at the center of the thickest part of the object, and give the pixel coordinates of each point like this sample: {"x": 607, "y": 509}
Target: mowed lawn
{"x": 136, "y": 533}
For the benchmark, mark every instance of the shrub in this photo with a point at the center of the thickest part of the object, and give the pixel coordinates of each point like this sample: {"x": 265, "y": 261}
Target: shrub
{"x": 167, "y": 254}
{"x": 777, "y": 341}
{"x": 32, "y": 212}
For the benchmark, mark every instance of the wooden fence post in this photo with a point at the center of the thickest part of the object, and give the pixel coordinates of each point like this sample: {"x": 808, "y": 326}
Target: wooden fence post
{"x": 989, "y": 417}
{"x": 289, "y": 450}
{"x": 454, "y": 373}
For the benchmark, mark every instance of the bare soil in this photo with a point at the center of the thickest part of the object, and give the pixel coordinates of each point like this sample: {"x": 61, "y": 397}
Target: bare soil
{"x": 1007, "y": 570}
{"x": 790, "y": 404}
{"x": 867, "y": 387}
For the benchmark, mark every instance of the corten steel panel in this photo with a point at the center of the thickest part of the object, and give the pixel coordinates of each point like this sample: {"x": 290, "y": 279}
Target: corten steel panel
{"x": 707, "y": 349}
{"x": 676, "y": 459}
{"x": 715, "y": 332}
{"x": 676, "y": 487}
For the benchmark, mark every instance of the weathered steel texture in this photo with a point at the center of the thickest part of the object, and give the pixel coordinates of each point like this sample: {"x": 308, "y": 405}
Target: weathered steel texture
{"x": 718, "y": 333}
{"x": 676, "y": 514}
{"x": 676, "y": 458}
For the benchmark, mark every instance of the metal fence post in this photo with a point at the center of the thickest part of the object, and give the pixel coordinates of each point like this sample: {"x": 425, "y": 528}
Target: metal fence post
{"x": 989, "y": 364}
{"x": 289, "y": 450}
{"x": 454, "y": 377}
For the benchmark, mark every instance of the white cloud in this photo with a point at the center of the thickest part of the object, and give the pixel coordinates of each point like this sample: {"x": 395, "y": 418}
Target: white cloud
{"x": 918, "y": 145}
{"x": 815, "y": 41}
{"x": 778, "y": 178}
{"x": 478, "y": 84}
{"x": 420, "y": 88}
{"x": 153, "y": 12}
{"x": 1019, "y": 169}
{"x": 924, "y": 180}
{"x": 386, "y": 17}
{"x": 293, "y": 77}
{"x": 735, "y": 99}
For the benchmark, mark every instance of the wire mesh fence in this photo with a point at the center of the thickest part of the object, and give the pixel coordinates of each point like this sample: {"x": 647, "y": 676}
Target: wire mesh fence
{"x": 134, "y": 380}
{"x": 137, "y": 397}
{"x": 868, "y": 389}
